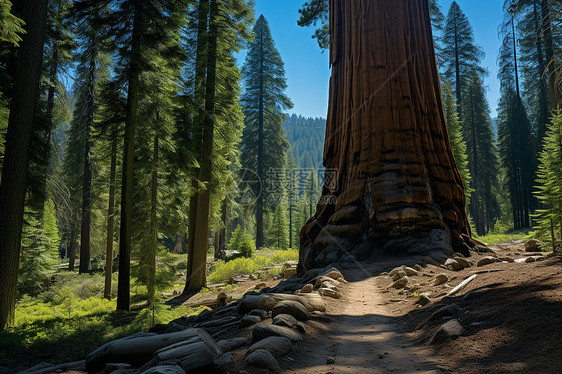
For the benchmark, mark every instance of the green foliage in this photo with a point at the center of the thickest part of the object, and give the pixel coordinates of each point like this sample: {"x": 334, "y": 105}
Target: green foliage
{"x": 313, "y": 13}
{"x": 11, "y": 27}
{"x": 242, "y": 242}
{"x": 278, "y": 233}
{"x": 549, "y": 189}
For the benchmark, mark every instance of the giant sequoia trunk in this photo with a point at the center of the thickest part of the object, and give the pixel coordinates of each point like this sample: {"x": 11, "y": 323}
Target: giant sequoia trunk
{"x": 396, "y": 187}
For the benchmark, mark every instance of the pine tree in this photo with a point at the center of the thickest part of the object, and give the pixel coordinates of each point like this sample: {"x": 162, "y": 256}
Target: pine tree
{"x": 458, "y": 145}
{"x": 514, "y": 129}
{"x": 11, "y": 27}
{"x": 460, "y": 54}
{"x": 482, "y": 157}
{"x": 292, "y": 199}
{"x": 263, "y": 103}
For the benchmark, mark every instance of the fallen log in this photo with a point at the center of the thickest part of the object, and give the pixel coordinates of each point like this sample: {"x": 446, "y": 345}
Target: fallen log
{"x": 136, "y": 349}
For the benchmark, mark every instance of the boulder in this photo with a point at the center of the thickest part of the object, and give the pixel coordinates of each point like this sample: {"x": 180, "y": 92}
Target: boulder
{"x": 231, "y": 344}
{"x": 259, "y": 312}
{"x": 486, "y": 261}
{"x": 463, "y": 262}
{"x": 263, "y": 331}
{"x": 423, "y": 299}
{"x": 292, "y": 308}
{"x": 262, "y": 359}
{"x": 334, "y": 274}
{"x": 277, "y": 345}
{"x": 440, "y": 279}
{"x": 320, "y": 281}
{"x": 449, "y": 331}
{"x": 330, "y": 292}
{"x": 289, "y": 272}
{"x": 532, "y": 246}
{"x": 249, "y": 320}
{"x": 400, "y": 283}
{"x": 288, "y": 320}
{"x": 453, "y": 264}
{"x": 251, "y": 302}
{"x": 446, "y": 311}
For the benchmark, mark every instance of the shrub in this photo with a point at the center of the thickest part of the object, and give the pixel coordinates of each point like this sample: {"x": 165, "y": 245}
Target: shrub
{"x": 242, "y": 242}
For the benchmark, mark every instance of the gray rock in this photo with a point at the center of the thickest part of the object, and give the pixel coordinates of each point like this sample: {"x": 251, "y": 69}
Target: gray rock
{"x": 293, "y": 308}
{"x": 249, "y": 320}
{"x": 449, "y": 331}
{"x": 334, "y": 274}
{"x": 288, "y": 320}
{"x": 532, "y": 246}
{"x": 307, "y": 289}
{"x": 330, "y": 360}
{"x": 263, "y": 331}
{"x": 453, "y": 264}
{"x": 165, "y": 369}
{"x": 410, "y": 271}
{"x": 423, "y": 299}
{"x": 262, "y": 359}
{"x": 399, "y": 275}
{"x": 323, "y": 280}
{"x": 486, "y": 261}
{"x": 277, "y": 345}
{"x": 231, "y": 344}
{"x": 330, "y": 292}
{"x": 259, "y": 312}
{"x": 440, "y": 279}
{"x": 446, "y": 311}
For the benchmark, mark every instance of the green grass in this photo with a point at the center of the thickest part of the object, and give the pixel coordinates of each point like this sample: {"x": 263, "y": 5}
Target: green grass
{"x": 505, "y": 235}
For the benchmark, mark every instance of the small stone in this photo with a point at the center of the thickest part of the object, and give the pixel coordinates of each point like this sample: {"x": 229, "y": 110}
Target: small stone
{"x": 381, "y": 356}
{"x": 289, "y": 272}
{"x": 330, "y": 360}
{"x": 259, "y": 312}
{"x": 530, "y": 259}
{"x": 307, "y": 289}
{"x": 262, "y": 359}
{"x": 440, "y": 279}
{"x": 231, "y": 344}
{"x": 276, "y": 345}
{"x": 249, "y": 320}
{"x": 423, "y": 299}
{"x": 409, "y": 271}
{"x": 399, "y": 275}
{"x": 532, "y": 246}
{"x": 417, "y": 267}
{"x": 261, "y": 285}
{"x": 334, "y": 294}
{"x": 293, "y": 308}
{"x": 334, "y": 274}
{"x": 463, "y": 262}
{"x": 324, "y": 279}
{"x": 400, "y": 283}
{"x": 486, "y": 261}
{"x": 452, "y": 264}
{"x": 449, "y": 331}
{"x": 446, "y": 311}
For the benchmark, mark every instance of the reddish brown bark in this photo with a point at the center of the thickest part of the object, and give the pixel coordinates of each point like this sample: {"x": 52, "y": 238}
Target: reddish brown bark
{"x": 398, "y": 187}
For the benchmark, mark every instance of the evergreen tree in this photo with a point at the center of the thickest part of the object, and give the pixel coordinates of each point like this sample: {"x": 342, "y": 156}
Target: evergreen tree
{"x": 263, "y": 103}
{"x": 458, "y": 144}
{"x": 11, "y": 27}
{"x": 514, "y": 131}
{"x": 279, "y": 233}
{"x": 460, "y": 54}
{"x": 292, "y": 200}
{"x": 482, "y": 157}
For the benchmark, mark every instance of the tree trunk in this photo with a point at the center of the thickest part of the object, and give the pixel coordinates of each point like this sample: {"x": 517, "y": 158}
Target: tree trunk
{"x": 87, "y": 179}
{"x": 72, "y": 248}
{"x": 397, "y": 187}
{"x": 151, "y": 276}
{"x": 550, "y": 58}
{"x": 17, "y": 151}
{"x": 199, "y": 98}
{"x": 110, "y": 219}
{"x": 123, "y": 287}
{"x": 198, "y": 269}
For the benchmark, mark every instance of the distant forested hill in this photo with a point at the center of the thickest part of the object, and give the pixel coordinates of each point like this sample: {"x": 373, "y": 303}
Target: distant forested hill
{"x": 306, "y": 136}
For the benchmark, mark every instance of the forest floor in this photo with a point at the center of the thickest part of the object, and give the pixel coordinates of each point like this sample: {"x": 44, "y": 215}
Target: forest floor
{"x": 510, "y": 312}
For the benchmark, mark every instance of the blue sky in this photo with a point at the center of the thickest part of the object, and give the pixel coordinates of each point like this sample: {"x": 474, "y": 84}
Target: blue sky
{"x": 307, "y": 68}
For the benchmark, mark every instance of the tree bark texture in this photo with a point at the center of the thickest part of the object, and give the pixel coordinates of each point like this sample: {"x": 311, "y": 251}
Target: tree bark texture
{"x": 393, "y": 182}
{"x": 17, "y": 151}
{"x": 110, "y": 219}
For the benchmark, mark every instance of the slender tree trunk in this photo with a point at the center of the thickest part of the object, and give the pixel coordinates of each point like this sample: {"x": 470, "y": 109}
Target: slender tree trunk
{"x": 259, "y": 204}
{"x": 87, "y": 179}
{"x": 199, "y": 264}
{"x": 199, "y": 98}
{"x": 72, "y": 248}
{"x": 458, "y": 74}
{"x": 17, "y": 151}
{"x": 544, "y": 107}
{"x": 110, "y": 219}
{"x": 123, "y": 286}
{"x": 151, "y": 276}
{"x": 398, "y": 188}
{"x": 550, "y": 58}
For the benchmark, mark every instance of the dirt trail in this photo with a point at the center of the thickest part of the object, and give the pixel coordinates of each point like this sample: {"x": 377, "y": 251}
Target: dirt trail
{"x": 365, "y": 334}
